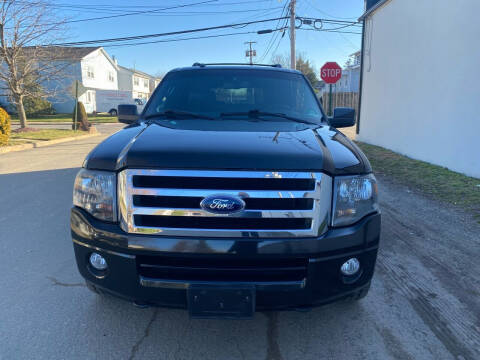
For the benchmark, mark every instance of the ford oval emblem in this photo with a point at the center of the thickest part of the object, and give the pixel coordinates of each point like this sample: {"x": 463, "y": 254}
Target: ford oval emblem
{"x": 222, "y": 204}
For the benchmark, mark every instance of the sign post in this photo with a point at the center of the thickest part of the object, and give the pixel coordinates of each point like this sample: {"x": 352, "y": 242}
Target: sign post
{"x": 76, "y": 104}
{"x": 330, "y": 101}
{"x": 331, "y": 72}
{"x": 77, "y": 89}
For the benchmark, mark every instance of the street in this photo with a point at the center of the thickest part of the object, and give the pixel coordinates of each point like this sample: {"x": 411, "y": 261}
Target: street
{"x": 424, "y": 302}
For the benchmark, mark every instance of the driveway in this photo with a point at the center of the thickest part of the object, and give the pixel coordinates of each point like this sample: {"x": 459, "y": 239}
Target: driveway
{"x": 424, "y": 302}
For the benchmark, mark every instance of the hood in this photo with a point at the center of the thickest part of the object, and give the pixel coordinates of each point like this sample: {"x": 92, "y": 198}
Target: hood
{"x": 312, "y": 148}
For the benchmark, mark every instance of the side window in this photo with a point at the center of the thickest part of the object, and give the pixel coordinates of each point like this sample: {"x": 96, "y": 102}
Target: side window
{"x": 111, "y": 77}
{"x": 136, "y": 80}
{"x": 145, "y": 83}
{"x": 90, "y": 73}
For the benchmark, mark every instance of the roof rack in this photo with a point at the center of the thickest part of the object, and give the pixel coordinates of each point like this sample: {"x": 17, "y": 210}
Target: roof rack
{"x": 239, "y": 64}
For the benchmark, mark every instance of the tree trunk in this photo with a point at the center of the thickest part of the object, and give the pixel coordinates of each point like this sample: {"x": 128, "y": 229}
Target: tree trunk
{"x": 21, "y": 112}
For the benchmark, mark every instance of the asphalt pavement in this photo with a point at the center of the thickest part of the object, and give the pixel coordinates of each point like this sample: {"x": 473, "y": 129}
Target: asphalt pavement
{"x": 424, "y": 302}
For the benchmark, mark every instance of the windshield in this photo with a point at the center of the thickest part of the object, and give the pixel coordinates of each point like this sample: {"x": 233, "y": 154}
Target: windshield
{"x": 230, "y": 93}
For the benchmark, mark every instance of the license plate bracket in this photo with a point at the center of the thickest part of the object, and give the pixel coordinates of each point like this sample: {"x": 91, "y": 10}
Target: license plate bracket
{"x": 221, "y": 301}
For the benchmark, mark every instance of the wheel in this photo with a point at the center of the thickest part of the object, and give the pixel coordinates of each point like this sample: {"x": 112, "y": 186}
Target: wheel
{"x": 359, "y": 294}
{"x": 113, "y": 112}
{"x": 93, "y": 288}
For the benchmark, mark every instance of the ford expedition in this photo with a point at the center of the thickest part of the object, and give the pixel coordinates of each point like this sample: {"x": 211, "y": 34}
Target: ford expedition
{"x": 232, "y": 192}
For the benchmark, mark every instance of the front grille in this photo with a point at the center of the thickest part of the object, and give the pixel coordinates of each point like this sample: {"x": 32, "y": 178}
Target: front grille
{"x": 175, "y": 182}
{"x": 222, "y": 268}
{"x": 277, "y": 204}
{"x": 221, "y": 223}
{"x": 194, "y": 203}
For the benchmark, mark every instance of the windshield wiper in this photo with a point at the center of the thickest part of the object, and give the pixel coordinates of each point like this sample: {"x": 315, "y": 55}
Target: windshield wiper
{"x": 255, "y": 114}
{"x": 175, "y": 114}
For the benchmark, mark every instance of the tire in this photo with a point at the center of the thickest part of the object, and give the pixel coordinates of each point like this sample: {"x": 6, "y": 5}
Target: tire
{"x": 113, "y": 112}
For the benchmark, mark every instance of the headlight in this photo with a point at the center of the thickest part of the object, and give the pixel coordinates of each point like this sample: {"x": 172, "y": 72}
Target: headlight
{"x": 353, "y": 198}
{"x": 95, "y": 192}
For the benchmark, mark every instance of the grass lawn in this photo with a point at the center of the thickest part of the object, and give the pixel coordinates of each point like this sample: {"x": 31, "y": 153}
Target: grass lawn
{"x": 434, "y": 181}
{"x": 48, "y": 134}
{"x": 99, "y": 118}
{"x": 12, "y": 142}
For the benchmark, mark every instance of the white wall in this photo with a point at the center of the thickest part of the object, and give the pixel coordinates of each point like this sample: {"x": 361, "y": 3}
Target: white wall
{"x": 141, "y": 90}
{"x": 101, "y": 67}
{"x": 125, "y": 81}
{"x": 421, "y": 69}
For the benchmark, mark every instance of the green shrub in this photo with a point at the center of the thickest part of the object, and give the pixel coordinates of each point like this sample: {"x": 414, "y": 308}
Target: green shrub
{"x": 38, "y": 106}
{"x": 4, "y": 127}
{"x": 82, "y": 118}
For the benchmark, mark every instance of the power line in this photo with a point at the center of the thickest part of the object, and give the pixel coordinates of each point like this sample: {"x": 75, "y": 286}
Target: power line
{"x": 338, "y": 28}
{"x": 325, "y": 13}
{"x": 185, "y": 39}
{"x": 278, "y": 43}
{"x": 334, "y": 31}
{"x": 313, "y": 21}
{"x": 138, "y": 37}
{"x": 112, "y": 8}
{"x": 139, "y": 12}
{"x": 274, "y": 37}
{"x": 145, "y": 12}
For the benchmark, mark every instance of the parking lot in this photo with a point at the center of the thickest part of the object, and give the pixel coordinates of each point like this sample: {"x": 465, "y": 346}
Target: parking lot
{"x": 424, "y": 302}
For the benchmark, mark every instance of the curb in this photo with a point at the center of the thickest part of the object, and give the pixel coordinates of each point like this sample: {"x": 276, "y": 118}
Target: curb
{"x": 33, "y": 123}
{"x": 37, "y": 144}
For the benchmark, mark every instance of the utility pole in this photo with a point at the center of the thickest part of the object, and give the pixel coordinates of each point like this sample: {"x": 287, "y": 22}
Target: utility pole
{"x": 251, "y": 53}
{"x": 293, "y": 60}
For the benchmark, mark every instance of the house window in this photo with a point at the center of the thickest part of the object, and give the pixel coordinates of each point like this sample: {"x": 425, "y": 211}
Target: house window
{"x": 145, "y": 83}
{"x": 89, "y": 97}
{"x": 111, "y": 77}
{"x": 136, "y": 81}
{"x": 90, "y": 73}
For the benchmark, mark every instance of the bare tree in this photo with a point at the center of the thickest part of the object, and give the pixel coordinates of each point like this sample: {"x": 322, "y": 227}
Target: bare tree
{"x": 30, "y": 66}
{"x": 283, "y": 60}
{"x": 303, "y": 65}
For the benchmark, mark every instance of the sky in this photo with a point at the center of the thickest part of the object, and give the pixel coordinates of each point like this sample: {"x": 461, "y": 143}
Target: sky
{"x": 158, "y": 58}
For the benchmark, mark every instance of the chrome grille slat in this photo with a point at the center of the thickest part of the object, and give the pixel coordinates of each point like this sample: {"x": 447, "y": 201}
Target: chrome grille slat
{"x": 243, "y": 214}
{"x": 204, "y": 192}
{"x": 227, "y": 174}
{"x": 311, "y": 217}
{"x": 178, "y": 202}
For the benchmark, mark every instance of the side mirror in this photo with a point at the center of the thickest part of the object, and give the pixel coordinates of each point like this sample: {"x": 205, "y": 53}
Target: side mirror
{"x": 127, "y": 113}
{"x": 342, "y": 117}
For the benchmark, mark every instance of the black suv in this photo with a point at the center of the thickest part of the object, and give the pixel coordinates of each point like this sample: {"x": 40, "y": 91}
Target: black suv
{"x": 232, "y": 192}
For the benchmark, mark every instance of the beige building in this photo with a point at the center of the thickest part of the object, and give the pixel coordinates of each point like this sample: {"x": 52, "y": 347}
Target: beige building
{"x": 135, "y": 81}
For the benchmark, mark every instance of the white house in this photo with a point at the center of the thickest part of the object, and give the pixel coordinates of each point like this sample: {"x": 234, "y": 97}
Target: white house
{"x": 135, "y": 81}
{"x": 419, "y": 93}
{"x": 94, "y": 68}
{"x": 350, "y": 80}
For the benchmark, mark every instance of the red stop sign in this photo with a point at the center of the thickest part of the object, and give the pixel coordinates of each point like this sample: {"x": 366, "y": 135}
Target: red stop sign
{"x": 331, "y": 72}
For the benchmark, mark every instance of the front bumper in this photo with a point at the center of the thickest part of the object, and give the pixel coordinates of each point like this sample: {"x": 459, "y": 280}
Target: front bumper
{"x": 321, "y": 283}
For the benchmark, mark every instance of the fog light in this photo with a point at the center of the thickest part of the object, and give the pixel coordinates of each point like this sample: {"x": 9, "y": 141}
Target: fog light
{"x": 350, "y": 267}
{"x": 98, "y": 261}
